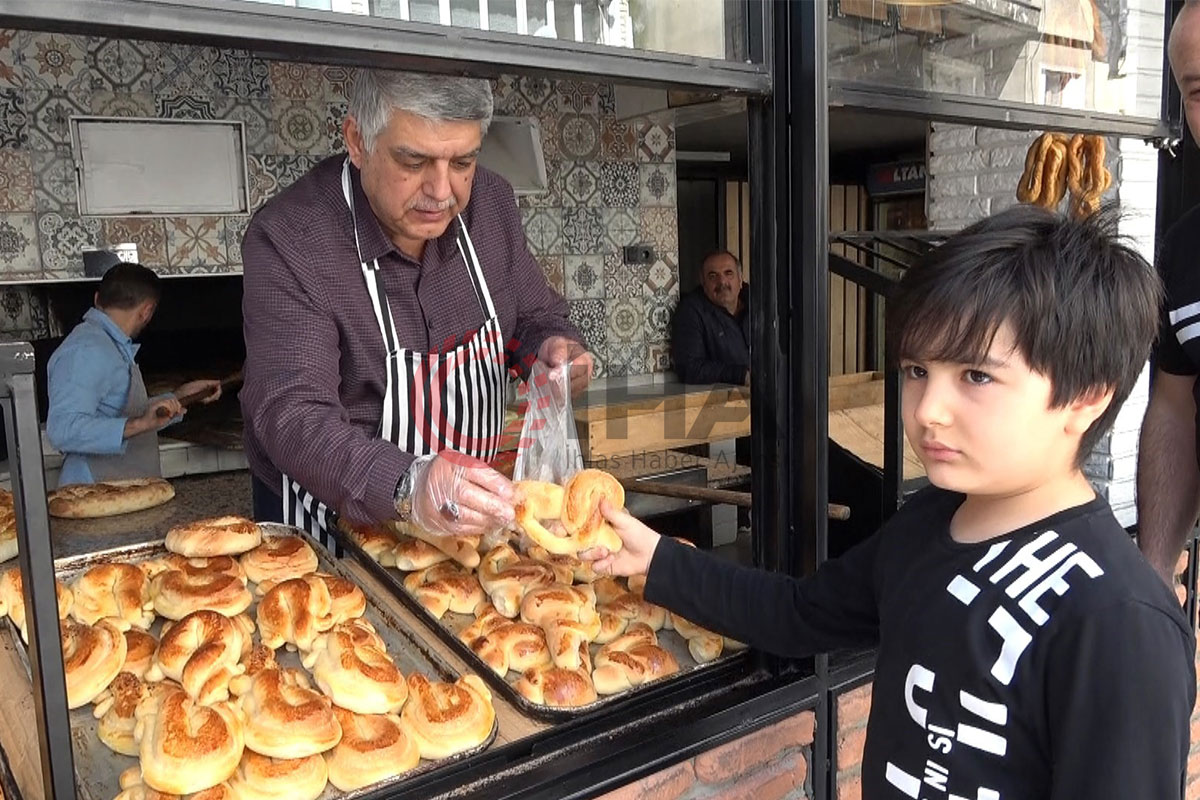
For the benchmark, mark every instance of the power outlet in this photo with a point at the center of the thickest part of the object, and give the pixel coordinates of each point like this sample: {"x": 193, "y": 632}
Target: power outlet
{"x": 636, "y": 254}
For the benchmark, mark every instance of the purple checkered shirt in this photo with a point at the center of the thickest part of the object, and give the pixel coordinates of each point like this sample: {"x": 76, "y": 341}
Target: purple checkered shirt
{"x": 315, "y": 359}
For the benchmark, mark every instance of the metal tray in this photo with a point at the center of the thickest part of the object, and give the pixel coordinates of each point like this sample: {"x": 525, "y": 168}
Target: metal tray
{"x": 448, "y": 627}
{"x": 98, "y": 768}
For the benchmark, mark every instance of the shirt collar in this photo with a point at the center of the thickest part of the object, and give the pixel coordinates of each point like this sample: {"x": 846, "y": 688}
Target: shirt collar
{"x": 372, "y": 240}
{"x": 97, "y": 317}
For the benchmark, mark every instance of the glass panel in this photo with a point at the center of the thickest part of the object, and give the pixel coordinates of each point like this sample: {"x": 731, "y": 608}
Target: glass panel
{"x": 706, "y": 28}
{"x": 1079, "y": 54}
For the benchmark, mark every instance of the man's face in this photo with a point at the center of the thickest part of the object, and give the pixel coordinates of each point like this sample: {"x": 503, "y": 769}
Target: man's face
{"x": 1185, "y": 65}
{"x": 722, "y": 280}
{"x": 418, "y": 176}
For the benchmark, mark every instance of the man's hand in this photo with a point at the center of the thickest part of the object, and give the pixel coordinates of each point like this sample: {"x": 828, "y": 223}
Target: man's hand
{"x": 640, "y": 543}
{"x": 559, "y": 350}
{"x": 191, "y": 387}
{"x": 151, "y": 420}
{"x": 456, "y": 495}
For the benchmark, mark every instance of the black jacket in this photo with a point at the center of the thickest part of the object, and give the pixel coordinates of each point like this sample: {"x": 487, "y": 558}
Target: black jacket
{"x": 708, "y": 344}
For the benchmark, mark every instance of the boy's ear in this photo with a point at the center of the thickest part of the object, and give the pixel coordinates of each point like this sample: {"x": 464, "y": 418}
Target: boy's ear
{"x": 1087, "y": 408}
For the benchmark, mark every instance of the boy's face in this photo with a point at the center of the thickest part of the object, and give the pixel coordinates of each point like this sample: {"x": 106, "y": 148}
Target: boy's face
{"x": 987, "y": 428}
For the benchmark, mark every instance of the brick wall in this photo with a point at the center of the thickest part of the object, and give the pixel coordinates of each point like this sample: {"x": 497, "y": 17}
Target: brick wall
{"x": 853, "y": 707}
{"x": 769, "y": 764}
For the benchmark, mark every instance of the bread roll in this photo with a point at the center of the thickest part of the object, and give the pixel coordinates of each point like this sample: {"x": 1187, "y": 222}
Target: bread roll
{"x": 284, "y": 718}
{"x": 513, "y": 646}
{"x": 194, "y": 567}
{"x": 362, "y": 633}
{"x": 487, "y": 619}
{"x": 567, "y": 568}
{"x": 178, "y": 592}
{"x": 140, "y": 648}
{"x": 704, "y": 645}
{"x": 360, "y": 678}
{"x": 445, "y": 587}
{"x": 259, "y": 657}
{"x": 633, "y": 608}
{"x": 92, "y": 657}
{"x": 348, "y": 601}
{"x": 507, "y": 578}
{"x": 186, "y": 747}
{"x": 203, "y": 652}
{"x": 116, "y": 706}
{"x": 262, "y": 778}
{"x": 411, "y": 554}
{"x": 447, "y": 718}
{"x": 90, "y": 500}
{"x": 215, "y": 536}
{"x": 279, "y": 558}
{"x": 557, "y": 602}
{"x": 575, "y": 507}
{"x": 12, "y": 600}
{"x": 568, "y": 640}
{"x": 630, "y": 660}
{"x": 556, "y": 687}
{"x": 295, "y": 612}
{"x": 373, "y": 748}
{"x": 611, "y": 626}
{"x": 117, "y": 592}
{"x": 377, "y": 541}
{"x": 462, "y": 549}
{"x": 132, "y": 788}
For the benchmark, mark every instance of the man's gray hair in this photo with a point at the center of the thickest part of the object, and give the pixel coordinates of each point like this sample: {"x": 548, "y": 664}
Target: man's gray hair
{"x": 441, "y": 98}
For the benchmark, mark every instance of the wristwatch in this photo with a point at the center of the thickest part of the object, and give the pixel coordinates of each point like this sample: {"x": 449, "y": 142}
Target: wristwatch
{"x": 404, "y": 497}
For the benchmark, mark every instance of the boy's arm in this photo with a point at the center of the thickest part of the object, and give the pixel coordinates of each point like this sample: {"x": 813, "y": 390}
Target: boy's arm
{"x": 835, "y": 607}
{"x": 1120, "y": 687}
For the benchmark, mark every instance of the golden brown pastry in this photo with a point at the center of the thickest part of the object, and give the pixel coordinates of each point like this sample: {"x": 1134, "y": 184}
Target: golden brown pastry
{"x": 447, "y": 718}
{"x": 105, "y": 499}
{"x": 215, "y": 536}
{"x": 373, "y": 748}
{"x": 556, "y": 687}
{"x": 203, "y": 652}
{"x": 630, "y": 660}
{"x": 411, "y": 554}
{"x": 279, "y": 558}
{"x": 140, "y": 648}
{"x": 12, "y": 600}
{"x": 348, "y": 601}
{"x": 178, "y": 592}
{"x": 568, "y": 640}
{"x": 8, "y": 526}
{"x": 263, "y": 778}
{"x": 512, "y": 646}
{"x": 259, "y": 657}
{"x": 377, "y": 541}
{"x": 116, "y": 706}
{"x": 92, "y": 657}
{"x": 186, "y": 747}
{"x": 567, "y": 568}
{"x": 117, "y": 592}
{"x": 357, "y": 677}
{"x": 362, "y": 633}
{"x": 284, "y": 717}
{"x": 462, "y": 549}
{"x": 507, "y": 578}
{"x": 577, "y": 509}
{"x": 295, "y": 612}
{"x": 132, "y": 788}
{"x": 607, "y": 589}
{"x": 633, "y": 608}
{"x": 704, "y": 645}
{"x": 194, "y": 567}
{"x": 445, "y": 587}
{"x": 557, "y": 602}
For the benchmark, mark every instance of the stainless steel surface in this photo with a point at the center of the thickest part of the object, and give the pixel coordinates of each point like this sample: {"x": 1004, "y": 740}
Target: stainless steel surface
{"x": 98, "y": 768}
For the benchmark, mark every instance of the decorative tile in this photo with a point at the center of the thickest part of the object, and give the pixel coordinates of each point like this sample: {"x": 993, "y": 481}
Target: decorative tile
{"x": 538, "y": 92}
{"x": 657, "y": 184}
{"x": 599, "y": 363}
{"x": 237, "y": 73}
{"x": 300, "y": 126}
{"x": 107, "y": 103}
{"x": 619, "y": 184}
{"x": 14, "y": 308}
{"x": 339, "y": 81}
{"x": 579, "y": 136}
{"x": 195, "y": 241}
{"x": 263, "y": 183}
{"x": 183, "y": 106}
{"x": 150, "y": 235}
{"x": 507, "y": 97}
{"x": 576, "y": 97}
{"x": 12, "y": 75}
{"x": 63, "y": 238}
{"x": 548, "y": 123}
{"x": 14, "y": 120}
{"x": 659, "y": 311}
{"x": 625, "y": 318}
{"x": 50, "y": 115}
{"x": 662, "y": 277}
{"x": 53, "y": 61}
{"x": 582, "y": 230}
{"x": 655, "y": 140}
{"x": 552, "y": 197}
{"x": 622, "y": 226}
{"x": 335, "y": 113}
{"x": 18, "y": 243}
{"x": 580, "y": 183}
{"x": 55, "y": 188}
{"x": 660, "y": 228}
{"x": 16, "y": 181}
{"x": 271, "y": 174}
{"x": 260, "y": 135}
{"x": 552, "y": 268}
{"x": 606, "y": 99}
{"x": 626, "y": 358}
{"x": 618, "y": 141}
{"x": 184, "y": 70}
{"x": 235, "y": 231}
{"x": 623, "y": 280}
{"x": 588, "y": 317}
{"x": 585, "y": 277}
{"x": 122, "y": 65}
{"x": 45, "y": 324}
{"x": 543, "y": 230}
{"x": 658, "y": 357}
{"x": 295, "y": 81}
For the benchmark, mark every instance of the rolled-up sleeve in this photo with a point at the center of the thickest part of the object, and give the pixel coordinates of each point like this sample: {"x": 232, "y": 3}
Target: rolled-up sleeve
{"x": 291, "y": 392}
{"x": 75, "y": 423}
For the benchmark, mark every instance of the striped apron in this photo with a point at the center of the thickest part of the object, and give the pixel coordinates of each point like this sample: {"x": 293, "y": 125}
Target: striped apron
{"x": 452, "y": 400}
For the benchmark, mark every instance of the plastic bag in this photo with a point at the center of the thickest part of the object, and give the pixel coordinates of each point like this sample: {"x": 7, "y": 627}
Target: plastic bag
{"x": 549, "y": 446}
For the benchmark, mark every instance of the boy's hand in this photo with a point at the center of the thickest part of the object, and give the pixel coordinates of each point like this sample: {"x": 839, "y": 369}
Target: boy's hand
{"x": 640, "y": 543}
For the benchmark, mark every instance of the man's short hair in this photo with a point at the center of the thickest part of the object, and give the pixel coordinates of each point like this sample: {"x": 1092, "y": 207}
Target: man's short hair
{"x": 715, "y": 253}
{"x": 1190, "y": 7}
{"x": 443, "y": 98}
{"x": 126, "y": 286}
{"x": 1083, "y": 305}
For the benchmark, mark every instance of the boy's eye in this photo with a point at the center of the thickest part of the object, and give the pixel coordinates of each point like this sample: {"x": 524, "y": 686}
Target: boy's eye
{"x": 913, "y": 371}
{"x": 977, "y": 377}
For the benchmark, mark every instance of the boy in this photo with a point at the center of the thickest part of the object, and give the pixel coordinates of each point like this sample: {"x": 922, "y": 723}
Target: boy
{"x": 1025, "y": 649}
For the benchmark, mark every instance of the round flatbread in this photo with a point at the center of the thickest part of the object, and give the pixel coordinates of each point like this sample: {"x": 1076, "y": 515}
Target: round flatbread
{"x": 88, "y": 500}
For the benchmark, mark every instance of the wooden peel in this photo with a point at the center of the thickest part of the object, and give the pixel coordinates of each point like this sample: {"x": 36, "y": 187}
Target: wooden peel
{"x": 192, "y": 397}
{"x": 707, "y": 495}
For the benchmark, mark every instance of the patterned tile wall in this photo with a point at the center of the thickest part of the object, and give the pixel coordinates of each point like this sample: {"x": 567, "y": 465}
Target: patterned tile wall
{"x": 612, "y": 183}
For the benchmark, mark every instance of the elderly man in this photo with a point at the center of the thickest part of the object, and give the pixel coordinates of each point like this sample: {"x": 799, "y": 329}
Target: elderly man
{"x": 387, "y": 295}
{"x": 1168, "y": 477}
{"x": 710, "y": 342}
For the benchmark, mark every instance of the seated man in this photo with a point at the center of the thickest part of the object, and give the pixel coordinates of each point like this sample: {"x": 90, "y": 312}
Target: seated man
{"x": 711, "y": 338}
{"x": 100, "y": 417}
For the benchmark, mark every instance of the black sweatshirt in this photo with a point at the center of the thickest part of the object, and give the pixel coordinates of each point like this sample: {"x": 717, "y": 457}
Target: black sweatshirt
{"x": 1050, "y": 662}
{"x": 708, "y": 344}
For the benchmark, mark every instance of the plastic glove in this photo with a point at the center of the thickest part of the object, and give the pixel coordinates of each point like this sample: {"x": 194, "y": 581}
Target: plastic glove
{"x": 456, "y": 495}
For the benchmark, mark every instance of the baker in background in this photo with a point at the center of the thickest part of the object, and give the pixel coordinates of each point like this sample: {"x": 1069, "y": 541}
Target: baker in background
{"x": 710, "y": 340}
{"x": 387, "y": 294}
{"x": 100, "y": 417}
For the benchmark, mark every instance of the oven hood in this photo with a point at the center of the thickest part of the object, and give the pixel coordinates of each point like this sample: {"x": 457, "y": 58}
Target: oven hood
{"x": 513, "y": 149}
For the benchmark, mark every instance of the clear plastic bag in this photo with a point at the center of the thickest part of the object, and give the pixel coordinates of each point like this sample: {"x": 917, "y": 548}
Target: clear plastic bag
{"x": 549, "y": 446}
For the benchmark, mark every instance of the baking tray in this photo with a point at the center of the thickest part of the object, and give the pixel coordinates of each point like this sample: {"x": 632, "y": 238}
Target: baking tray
{"x": 97, "y": 768}
{"x": 448, "y": 627}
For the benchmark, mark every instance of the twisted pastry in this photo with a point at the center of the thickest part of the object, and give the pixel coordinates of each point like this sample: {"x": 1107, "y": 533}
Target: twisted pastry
{"x": 1057, "y": 162}
{"x": 575, "y": 509}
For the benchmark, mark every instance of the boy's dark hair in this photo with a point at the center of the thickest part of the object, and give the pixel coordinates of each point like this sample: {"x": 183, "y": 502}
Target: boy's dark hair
{"x": 127, "y": 286}
{"x": 1082, "y": 304}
